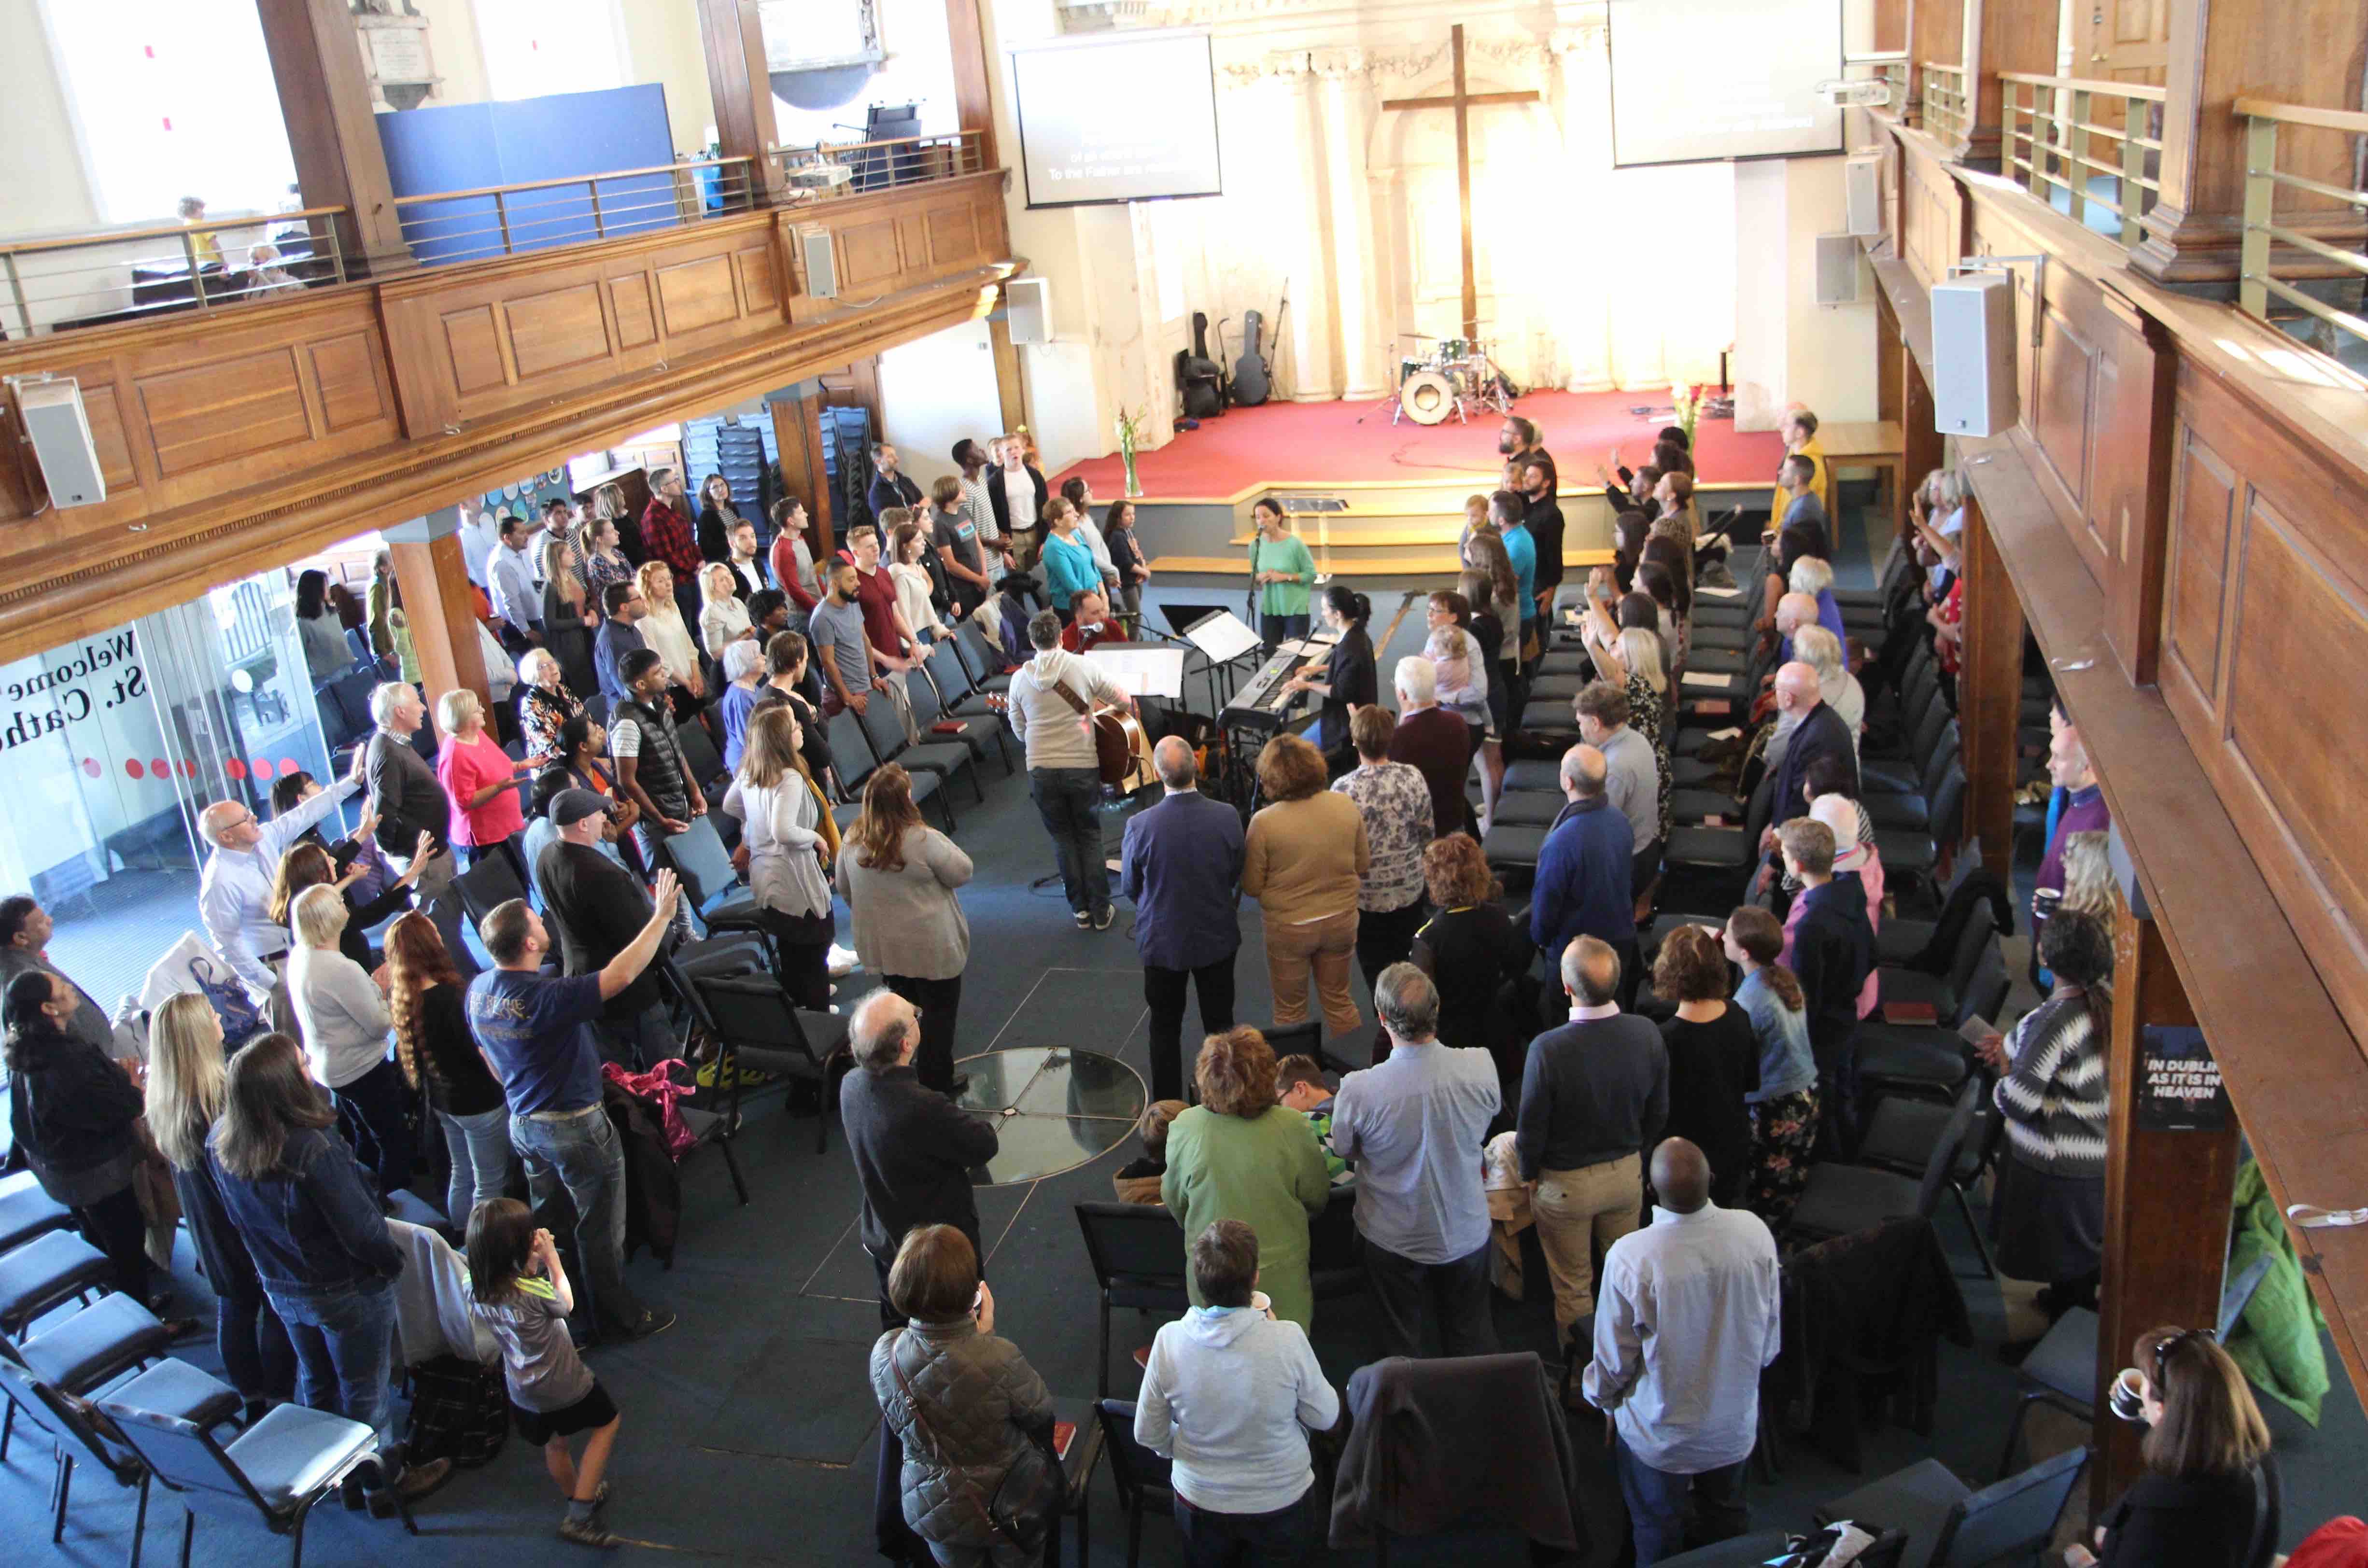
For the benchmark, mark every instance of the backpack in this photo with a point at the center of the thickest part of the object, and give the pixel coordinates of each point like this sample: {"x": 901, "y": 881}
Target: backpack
{"x": 460, "y": 1411}
{"x": 241, "y": 1019}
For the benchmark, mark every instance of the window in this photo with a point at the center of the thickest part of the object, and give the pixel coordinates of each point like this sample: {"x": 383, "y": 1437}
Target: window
{"x": 535, "y": 47}
{"x": 171, "y": 99}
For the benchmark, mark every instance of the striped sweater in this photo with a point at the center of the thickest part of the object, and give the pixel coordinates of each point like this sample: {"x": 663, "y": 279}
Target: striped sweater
{"x": 2054, "y": 1092}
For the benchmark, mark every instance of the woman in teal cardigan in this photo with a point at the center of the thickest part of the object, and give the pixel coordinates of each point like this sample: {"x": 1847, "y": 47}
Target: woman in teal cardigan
{"x": 1069, "y": 568}
{"x": 1283, "y": 571}
{"x": 1242, "y": 1155}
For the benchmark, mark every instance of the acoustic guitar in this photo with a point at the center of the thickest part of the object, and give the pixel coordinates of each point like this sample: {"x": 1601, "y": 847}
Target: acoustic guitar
{"x": 1122, "y": 749}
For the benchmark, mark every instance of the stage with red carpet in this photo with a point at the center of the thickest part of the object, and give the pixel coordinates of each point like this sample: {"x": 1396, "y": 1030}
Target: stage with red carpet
{"x": 1336, "y": 443}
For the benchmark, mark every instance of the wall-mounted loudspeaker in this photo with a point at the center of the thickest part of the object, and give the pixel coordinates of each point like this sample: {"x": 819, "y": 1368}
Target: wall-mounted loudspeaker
{"x": 821, "y": 263}
{"x": 1973, "y": 355}
{"x": 1863, "y": 193}
{"x": 1028, "y": 304}
{"x": 1838, "y": 269}
{"x": 60, "y": 432}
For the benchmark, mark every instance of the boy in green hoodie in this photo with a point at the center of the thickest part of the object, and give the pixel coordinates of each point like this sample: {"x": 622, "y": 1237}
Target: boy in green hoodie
{"x": 1304, "y": 1089}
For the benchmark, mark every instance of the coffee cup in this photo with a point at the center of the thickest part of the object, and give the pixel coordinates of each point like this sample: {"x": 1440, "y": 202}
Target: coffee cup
{"x": 2126, "y": 1397}
{"x": 1261, "y": 1301}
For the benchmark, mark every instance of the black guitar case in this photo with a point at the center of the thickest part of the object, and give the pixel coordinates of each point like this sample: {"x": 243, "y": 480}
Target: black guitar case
{"x": 1198, "y": 376}
{"x": 1251, "y": 386}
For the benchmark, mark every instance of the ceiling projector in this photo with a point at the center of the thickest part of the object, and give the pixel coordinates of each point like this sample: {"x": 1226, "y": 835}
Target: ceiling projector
{"x": 1855, "y": 94}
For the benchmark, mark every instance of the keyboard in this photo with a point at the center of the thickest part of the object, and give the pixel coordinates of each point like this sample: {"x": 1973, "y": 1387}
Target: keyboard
{"x": 1262, "y": 704}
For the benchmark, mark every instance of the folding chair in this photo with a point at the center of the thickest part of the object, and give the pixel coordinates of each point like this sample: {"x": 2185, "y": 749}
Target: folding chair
{"x": 944, "y": 759}
{"x": 277, "y": 1468}
{"x": 1949, "y": 1525}
{"x": 80, "y": 1432}
{"x": 755, "y": 1020}
{"x": 26, "y": 1211}
{"x": 853, "y": 759}
{"x": 486, "y": 886}
{"x": 1843, "y": 1200}
{"x": 928, "y": 711}
{"x": 1144, "y": 1479}
{"x": 84, "y": 1351}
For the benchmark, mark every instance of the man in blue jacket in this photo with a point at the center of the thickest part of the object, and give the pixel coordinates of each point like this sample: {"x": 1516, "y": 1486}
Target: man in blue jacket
{"x": 1584, "y": 872}
{"x": 1183, "y": 867}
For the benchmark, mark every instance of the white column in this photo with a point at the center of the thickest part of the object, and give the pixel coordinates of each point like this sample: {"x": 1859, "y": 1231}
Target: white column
{"x": 1584, "y": 321}
{"x": 1347, "y": 107}
{"x": 1305, "y": 364}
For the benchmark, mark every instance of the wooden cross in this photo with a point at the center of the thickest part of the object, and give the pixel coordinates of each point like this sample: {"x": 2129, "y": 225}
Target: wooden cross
{"x": 1462, "y": 102}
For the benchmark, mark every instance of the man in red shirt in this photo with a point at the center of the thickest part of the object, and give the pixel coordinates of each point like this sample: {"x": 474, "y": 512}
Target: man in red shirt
{"x": 789, "y": 535}
{"x": 1092, "y": 624}
{"x": 667, "y": 535}
{"x": 875, "y": 591}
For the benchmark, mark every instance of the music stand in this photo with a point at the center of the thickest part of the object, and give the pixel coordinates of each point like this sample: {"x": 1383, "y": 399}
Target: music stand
{"x": 1181, "y": 616}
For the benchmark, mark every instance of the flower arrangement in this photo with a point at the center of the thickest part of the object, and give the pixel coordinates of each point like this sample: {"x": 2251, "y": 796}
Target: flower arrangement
{"x": 1130, "y": 435}
{"x": 1686, "y": 400}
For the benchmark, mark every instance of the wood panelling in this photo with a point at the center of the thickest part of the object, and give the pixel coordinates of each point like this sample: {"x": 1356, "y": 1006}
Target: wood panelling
{"x": 759, "y": 295}
{"x": 867, "y": 253}
{"x": 952, "y": 232}
{"x": 218, "y": 412}
{"x": 553, "y": 331}
{"x": 880, "y": 246}
{"x": 695, "y": 294}
{"x": 637, "y": 322}
{"x": 351, "y": 376}
{"x": 472, "y": 347}
{"x": 2061, "y": 412}
{"x": 2287, "y": 536}
{"x": 106, "y": 434}
{"x": 2204, "y": 508}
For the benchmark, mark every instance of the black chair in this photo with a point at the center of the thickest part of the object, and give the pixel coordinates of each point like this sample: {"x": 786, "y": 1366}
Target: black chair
{"x": 977, "y": 730}
{"x": 1941, "y": 991}
{"x": 958, "y": 693}
{"x": 854, "y": 761}
{"x": 277, "y": 1468}
{"x": 1905, "y": 1131}
{"x": 981, "y": 659}
{"x": 486, "y": 886}
{"x": 1137, "y": 1254}
{"x": 1949, "y": 1525}
{"x": 1932, "y": 1062}
{"x": 79, "y": 1432}
{"x": 944, "y": 759}
{"x": 755, "y": 1023}
{"x": 1335, "y": 1249}
{"x": 2061, "y": 1371}
{"x": 706, "y": 763}
{"x": 710, "y": 886}
{"x": 1841, "y": 1200}
{"x": 1143, "y": 1478}
{"x": 1078, "y": 1461}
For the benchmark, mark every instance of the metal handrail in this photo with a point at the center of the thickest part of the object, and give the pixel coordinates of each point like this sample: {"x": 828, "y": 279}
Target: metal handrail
{"x": 531, "y": 214}
{"x": 37, "y": 272}
{"x": 828, "y": 170}
{"x": 2056, "y": 129}
{"x": 2256, "y": 286}
{"x": 1943, "y": 99}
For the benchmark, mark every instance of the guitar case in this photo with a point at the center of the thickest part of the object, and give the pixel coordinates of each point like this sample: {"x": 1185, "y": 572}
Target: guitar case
{"x": 1251, "y": 384}
{"x": 1198, "y": 376}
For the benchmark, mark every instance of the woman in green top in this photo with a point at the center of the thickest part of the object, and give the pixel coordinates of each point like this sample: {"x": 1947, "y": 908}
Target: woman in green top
{"x": 1242, "y": 1155}
{"x": 1283, "y": 571}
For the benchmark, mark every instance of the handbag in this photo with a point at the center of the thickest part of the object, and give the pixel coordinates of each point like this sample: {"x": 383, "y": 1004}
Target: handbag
{"x": 1022, "y": 1514}
{"x": 241, "y": 1019}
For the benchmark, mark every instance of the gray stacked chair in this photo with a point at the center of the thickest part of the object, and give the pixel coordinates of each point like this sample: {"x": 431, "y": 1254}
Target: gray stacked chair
{"x": 80, "y": 1433}
{"x": 1844, "y": 1199}
{"x": 1949, "y": 1525}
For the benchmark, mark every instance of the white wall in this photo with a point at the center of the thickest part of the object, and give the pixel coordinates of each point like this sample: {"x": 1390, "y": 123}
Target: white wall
{"x": 935, "y": 391}
{"x": 455, "y": 50}
{"x": 42, "y": 184}
{"x": 663, "y": 45}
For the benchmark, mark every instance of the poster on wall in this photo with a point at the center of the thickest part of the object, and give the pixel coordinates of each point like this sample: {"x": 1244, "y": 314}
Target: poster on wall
{"x": 82, "y": 758}
{"x": 2179, "y": 1084}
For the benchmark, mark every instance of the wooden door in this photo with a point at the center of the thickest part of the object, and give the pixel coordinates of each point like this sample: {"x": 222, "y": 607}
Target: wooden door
{"x": 2121, "y": 41}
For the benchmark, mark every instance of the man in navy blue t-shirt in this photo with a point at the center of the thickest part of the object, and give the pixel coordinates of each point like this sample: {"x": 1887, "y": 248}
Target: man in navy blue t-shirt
{"x": 536, "y": 1033}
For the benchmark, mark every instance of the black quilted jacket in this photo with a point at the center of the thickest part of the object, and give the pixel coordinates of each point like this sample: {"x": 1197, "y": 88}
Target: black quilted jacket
{"x": 963, "y": 1406}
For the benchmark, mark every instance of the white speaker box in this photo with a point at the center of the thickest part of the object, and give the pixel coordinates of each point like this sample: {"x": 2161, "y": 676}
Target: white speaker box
{"x": 60, "y": 432}
{"x": 821, "y": 263}
{"x": 1838, "y": 268}
{"x": 1028, "y": 302}
{"x": 1863, "y": 193}
{"x": 1973, "y": 355}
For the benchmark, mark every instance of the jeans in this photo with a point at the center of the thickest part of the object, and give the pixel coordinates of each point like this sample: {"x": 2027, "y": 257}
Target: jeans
{"x": 1162, "y": 991}
{"x": 345, "y": 1351}
{"x": 1456, "y": 1292}
{"x": 1069, "y": 799}
{"x": 483, "y": 1161}
{"x": 940, "y": 1004}
{"x": 582, "y": 1154}
{"x": 640, "y": 1042}
{"x": 1241, "y": 1540}
{"x": 259, "y": 1358}
{"x": 1658, "y": 1502}
{"x": 374, "y": 1111}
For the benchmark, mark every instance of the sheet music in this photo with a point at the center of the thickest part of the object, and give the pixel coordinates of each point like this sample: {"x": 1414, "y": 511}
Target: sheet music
{"x": 1222, "y": 637}
{"x": 1142, "y": 672}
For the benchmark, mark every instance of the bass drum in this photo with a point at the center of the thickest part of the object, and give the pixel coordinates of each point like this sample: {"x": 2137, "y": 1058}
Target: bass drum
{"x": 1428, "y": 397}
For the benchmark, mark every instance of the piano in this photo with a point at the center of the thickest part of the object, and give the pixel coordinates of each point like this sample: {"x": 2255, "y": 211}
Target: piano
{"x": 1261, "y": 704}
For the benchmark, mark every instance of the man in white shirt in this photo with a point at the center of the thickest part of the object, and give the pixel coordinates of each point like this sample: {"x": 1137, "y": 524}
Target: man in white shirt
{"x": 480, "y": 533}
{"x": 1687, "y": 1320}
{"x": 973, "y": 459}
{"x": 509, "y": 582}
{"x": 1413, "y": 1125}
{"x": 234, "y": 888}
{"x": 1051, "y": 707}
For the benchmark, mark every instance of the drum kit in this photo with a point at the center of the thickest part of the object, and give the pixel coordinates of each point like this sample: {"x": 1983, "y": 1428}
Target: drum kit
{"x": 1459, "y": 377}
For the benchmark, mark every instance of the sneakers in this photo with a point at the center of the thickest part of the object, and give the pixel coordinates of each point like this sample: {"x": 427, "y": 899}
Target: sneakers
{"x": 587, "y": 1532}
{"x": 1108, "y": 914}
{"x": 1085, "y": 921}
{"x": 843, "y": 961}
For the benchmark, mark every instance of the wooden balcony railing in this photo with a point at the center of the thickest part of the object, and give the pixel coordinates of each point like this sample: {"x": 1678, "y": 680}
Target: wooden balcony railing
{"x": 829, "y": 170}
{"x": 85, "y": 279}
{"x": 1945, "y": 109}
{"x": 2264, "y": 180}
{"x": 446, "y": 226}
{"x": 1887, "y": 67}
{"x": 2056, "y": 127}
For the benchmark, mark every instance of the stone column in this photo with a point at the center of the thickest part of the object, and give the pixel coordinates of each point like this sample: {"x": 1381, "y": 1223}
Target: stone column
{"x": 1347, "y": 110}
{"x": 1303, "y": 358}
